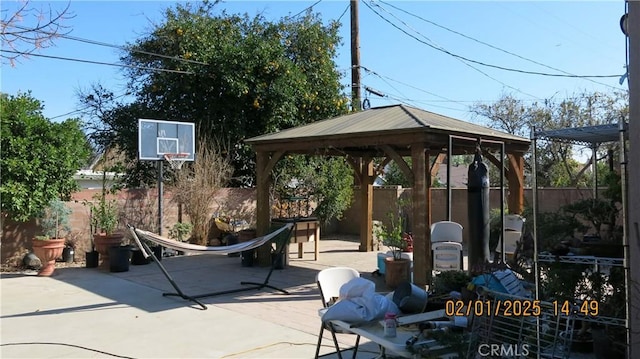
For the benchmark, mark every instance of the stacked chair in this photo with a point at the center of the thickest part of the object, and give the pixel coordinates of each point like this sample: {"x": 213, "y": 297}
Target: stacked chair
{"x": 446, "y": 246}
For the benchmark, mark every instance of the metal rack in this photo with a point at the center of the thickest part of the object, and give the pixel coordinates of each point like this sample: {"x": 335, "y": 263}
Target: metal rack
{"x": 592, "y": 136}
{"x": 597, "y": 262}
{"x": 545, "y": 335}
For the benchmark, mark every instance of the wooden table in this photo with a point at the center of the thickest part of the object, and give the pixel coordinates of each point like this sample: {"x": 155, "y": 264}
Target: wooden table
{"x": 307, "y": 230}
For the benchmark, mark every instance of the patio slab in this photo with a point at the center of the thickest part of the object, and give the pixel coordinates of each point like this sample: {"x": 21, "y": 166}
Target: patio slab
{"x": 90, "y": 313}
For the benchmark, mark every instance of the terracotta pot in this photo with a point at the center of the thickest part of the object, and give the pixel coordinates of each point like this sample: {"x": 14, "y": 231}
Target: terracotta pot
{"x": 48, "y": 251}
{"x": 397, "y": 271}
{"x": 103, "y": 242}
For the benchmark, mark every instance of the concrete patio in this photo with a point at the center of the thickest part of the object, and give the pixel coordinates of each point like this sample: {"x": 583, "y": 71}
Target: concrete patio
{"x": 92, "y": 313}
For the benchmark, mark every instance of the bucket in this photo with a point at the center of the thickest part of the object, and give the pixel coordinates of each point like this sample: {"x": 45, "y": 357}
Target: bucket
{"x": 409, "y": 298}
{"x": 119, "y": 258}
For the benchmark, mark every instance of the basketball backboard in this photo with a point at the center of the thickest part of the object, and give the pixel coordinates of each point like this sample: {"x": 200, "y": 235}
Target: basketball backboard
{"x": 157, "y": 138}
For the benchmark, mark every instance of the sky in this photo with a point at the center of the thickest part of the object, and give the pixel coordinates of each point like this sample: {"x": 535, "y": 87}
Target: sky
{"x": 428, "y": 54}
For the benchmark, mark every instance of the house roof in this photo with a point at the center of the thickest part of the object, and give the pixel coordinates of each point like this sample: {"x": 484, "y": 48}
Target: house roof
{"x": 388, "y": 120}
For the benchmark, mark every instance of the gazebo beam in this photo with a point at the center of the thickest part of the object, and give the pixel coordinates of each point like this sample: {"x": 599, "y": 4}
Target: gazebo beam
{"x": 265, "y": 162}
{"x": 366, "y": 199}
{"x": 515, "y": 179}
{"x": 404, "y": 167}
{"x": 421, "y": 213}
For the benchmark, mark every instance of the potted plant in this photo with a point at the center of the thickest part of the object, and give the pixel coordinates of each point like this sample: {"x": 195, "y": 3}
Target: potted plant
{"x": 104, "y": 220}
{"x": 397, "y": 268}
{"x": 68, "y": 253}
{"x": 48, "y": 247}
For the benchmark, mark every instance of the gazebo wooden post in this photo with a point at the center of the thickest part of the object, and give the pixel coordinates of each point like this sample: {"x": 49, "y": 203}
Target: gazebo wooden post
{"x": 366, "y": 199}
{"x": 264, "y": 164}
{"x": 515, "y": 178}
{"x": 421, "y": 212}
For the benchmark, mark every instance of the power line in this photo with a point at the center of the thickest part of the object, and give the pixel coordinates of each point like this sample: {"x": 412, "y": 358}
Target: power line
{"x": 586, "y": 77}
{"x": 406, "y": 84}
{"x": 344, "y": 12}
{"x": 459, "y": 58}
{"x": 305, "y": 10}
{"x": 85, "y": 108}
{"x": 98, "y": 62}
{"x": 499, "y": 67}
{"x": 124, "y": 48}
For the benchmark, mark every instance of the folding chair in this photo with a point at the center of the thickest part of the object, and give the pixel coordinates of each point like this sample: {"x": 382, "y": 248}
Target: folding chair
{"x": 329, "y": 282}
{"x": 513, "y": 225}
{"x": 446, "y": 246}
{"x": 447, "y": 256}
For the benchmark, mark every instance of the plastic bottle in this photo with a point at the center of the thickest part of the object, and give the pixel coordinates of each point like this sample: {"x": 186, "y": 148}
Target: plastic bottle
{"x": 390, "y": 325}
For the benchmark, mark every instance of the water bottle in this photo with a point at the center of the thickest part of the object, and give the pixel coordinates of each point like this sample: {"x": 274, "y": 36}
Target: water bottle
{"x": 390, "y": 325}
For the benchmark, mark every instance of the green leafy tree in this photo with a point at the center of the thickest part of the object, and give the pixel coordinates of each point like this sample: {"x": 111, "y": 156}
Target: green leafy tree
{"x": 325, "y": 181}
{"x": 236, "y": 77}
{"x": 39, "y": 157}
{"x": 557, "y": 165}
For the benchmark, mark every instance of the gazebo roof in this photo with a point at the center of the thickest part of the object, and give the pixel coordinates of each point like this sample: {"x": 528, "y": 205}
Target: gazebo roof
{"x": 385, "y": 125}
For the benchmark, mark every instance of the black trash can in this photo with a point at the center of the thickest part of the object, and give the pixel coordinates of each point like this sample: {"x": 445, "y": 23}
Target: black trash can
{"x": 119, "y": 258}
{"x": 247, "y": 257}
{"x": 91, "y": 259}
{"x": 137, "y": 258}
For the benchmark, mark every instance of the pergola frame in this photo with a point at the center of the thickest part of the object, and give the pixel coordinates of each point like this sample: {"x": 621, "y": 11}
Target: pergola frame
{"x": 391, "y": 132}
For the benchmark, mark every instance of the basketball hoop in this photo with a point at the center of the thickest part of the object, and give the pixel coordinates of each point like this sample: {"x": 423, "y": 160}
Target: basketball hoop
{"x": 176, "y": 160}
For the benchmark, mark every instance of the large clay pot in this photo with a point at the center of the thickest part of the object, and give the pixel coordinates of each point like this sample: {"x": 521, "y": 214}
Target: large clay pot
{"x": 103, "y": 242}
{"x": 48, "y": 251}
{"x": 397, "y": 271}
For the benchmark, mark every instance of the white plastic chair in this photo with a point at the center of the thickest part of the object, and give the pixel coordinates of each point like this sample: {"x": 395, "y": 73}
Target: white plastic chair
{"x": 514, "y": 222}
{"x": 446, "y": 244}
{"x": 329, "y": 282}
{"x": 446, "y": 231}
{"x": 513, "y": 225}
{"x": 447, "y": 256}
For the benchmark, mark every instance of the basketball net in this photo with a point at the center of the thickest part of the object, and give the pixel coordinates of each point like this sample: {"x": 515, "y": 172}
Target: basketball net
{"x": 176, "y": 160}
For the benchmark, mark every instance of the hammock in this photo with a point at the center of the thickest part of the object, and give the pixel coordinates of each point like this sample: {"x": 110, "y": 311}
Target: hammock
{"x": 188, "y": 247}
{"x": 244, "y": 246}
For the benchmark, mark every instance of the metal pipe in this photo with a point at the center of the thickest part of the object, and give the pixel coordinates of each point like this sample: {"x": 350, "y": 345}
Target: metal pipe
{"x": 449, "y": 152}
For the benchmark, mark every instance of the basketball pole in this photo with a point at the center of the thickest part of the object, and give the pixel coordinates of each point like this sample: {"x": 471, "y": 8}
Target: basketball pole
{"x": 160, "y": 195}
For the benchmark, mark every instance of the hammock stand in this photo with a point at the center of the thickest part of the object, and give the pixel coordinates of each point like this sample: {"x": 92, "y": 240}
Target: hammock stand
{"x": 257, "y": 242}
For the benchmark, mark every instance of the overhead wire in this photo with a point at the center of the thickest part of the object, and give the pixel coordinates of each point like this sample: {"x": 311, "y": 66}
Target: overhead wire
{"x": 85, "y": 107}
{"x": 481, "y": 63}
{"x": 459, "y": 58}
{"x": 306, "y": 9}
{"x": 120, "y": 47}
{"x": 571, "y": 75}
{"x": 344, "y": 12}
{"x": 98, "y": 62}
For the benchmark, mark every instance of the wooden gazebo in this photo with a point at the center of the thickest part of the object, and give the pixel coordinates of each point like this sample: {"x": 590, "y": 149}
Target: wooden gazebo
{"x": 392, "y": 132}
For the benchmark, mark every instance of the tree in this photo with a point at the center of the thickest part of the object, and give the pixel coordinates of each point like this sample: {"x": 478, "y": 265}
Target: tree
{"x": 234, "y": 76}
{"x": 557, "y": 165}
{"x": 39, "y": 157}
{"x": 20, "y": 37}
{"x": 325, "y": 181}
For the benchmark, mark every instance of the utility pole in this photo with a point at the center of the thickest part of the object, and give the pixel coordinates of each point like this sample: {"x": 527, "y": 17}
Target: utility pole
{"x": 355, "y": 58}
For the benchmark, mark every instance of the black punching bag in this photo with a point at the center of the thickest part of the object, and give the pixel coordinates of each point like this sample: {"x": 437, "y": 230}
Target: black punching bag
{"x": 478, "y": 204}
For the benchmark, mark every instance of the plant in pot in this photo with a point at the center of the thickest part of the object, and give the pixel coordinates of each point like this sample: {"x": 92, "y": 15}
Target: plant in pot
{"x": 104, "y": 220}
{"x": 48, "y": 247}
{"x": 68, "y": 253}
{"x": 397, "y": 268}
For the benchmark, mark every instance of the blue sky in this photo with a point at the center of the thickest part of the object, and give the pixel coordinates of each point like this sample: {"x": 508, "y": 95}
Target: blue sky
{"x": 576, "y": 37}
